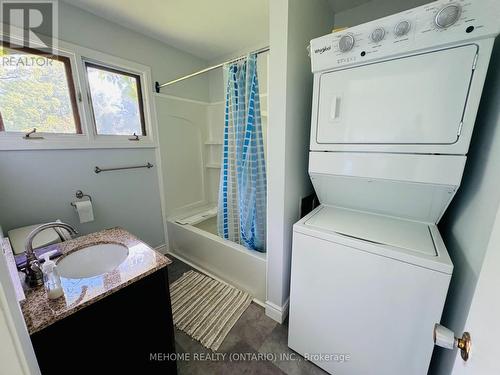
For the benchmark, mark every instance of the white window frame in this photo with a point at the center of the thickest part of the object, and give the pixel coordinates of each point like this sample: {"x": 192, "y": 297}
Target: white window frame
{"x": 92, "y": 114}
{"x": 89, "y": 138}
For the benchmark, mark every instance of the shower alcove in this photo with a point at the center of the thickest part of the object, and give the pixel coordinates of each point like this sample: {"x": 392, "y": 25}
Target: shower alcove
{"x": 190, "y": 148}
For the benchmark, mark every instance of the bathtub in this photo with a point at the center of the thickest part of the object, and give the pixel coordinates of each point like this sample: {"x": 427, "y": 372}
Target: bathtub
{"x": 199, "y": 245}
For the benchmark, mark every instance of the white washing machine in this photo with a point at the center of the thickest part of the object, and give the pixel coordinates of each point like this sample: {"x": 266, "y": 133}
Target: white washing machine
{"x": 394, "y": 106}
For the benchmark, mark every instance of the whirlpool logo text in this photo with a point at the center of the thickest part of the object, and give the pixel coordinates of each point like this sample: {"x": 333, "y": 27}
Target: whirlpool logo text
{"x": 322, "y": 49}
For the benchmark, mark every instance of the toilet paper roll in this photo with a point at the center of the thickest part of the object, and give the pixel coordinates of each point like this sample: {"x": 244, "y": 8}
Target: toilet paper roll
{"x": 85, "y": 211}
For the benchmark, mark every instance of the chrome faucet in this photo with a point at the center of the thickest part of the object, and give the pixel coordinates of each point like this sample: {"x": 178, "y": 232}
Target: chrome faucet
{"x": 34, "y": 274}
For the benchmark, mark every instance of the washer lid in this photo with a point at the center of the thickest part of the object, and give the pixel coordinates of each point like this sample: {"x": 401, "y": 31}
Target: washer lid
{"x": 403, "y": 240}
{"x": 385, "y": 230}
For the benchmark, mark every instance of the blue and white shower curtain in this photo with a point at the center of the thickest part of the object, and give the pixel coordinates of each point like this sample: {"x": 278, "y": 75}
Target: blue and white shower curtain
{"x": 242, "y": 191}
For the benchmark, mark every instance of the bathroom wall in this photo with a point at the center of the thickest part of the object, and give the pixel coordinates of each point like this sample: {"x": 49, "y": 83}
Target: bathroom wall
{"x": 167, "y": 63}
{"x": 37, "y": 186}
{"x": 293, "y": 23}
{"x": 213, "y": 149}
{"x": 466, "y": 226}
{"x": 374, "y": 9}
{"x": 182, "y": 152}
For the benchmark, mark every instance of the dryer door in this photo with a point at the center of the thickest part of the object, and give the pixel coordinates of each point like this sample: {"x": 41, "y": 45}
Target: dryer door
{"x": 413, "y": 100}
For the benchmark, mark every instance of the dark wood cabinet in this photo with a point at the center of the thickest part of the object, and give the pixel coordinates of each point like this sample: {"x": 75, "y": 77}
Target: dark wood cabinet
{"x": 128, "y": 332}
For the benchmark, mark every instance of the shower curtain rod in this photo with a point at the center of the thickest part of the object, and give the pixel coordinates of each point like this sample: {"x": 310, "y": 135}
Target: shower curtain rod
{"x": 158, "y": 86}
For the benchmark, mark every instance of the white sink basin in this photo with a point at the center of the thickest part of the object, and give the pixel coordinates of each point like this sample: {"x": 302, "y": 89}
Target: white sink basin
{"x": 92, "y": 261}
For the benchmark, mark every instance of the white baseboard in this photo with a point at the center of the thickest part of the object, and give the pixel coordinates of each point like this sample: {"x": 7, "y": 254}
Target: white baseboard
{"x": 277, "y": 313}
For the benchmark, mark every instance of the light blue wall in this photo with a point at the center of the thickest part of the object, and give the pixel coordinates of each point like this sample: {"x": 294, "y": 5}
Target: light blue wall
{"x": 467, "y": 225}
{"x": 37, "y": 186}
{"x": 293, "y": 23}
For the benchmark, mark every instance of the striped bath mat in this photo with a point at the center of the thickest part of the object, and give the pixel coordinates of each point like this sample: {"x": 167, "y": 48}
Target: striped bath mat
{"x": 206, "y": 309}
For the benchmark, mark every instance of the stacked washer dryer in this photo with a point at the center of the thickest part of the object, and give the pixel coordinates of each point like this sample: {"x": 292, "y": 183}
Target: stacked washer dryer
{"x": 394, "y": 106}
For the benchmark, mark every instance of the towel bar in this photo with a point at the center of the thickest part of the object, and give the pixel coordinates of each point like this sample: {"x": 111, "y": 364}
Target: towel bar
{"x": 99, "y": 170}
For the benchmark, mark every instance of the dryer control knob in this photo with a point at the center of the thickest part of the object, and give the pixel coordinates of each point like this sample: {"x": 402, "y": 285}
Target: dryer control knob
{"x": 448, "y": 15}
{"x": 402, "y": 28}
{"x": 346, "y": 43}
{"x": 377, "y": 35}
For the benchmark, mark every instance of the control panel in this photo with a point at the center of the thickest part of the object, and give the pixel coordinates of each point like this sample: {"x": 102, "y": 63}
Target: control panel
{"x": 443, "y": 22}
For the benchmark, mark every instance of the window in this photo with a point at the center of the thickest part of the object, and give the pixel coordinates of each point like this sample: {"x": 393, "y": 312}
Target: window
{"x": 37, "y": 91}
{"x": 116, "y": 100}
{"x": 77, "y": 98}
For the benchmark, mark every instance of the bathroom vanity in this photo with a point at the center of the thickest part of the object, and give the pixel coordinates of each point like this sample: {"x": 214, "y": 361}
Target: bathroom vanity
{"x": 119, "y": 320}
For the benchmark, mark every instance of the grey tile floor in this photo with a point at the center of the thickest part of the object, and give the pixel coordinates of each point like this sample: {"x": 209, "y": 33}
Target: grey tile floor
{"x": 255, "y": 345}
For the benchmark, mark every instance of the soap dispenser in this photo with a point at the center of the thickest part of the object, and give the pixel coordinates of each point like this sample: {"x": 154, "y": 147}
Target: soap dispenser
{"x": 51, "y": 278}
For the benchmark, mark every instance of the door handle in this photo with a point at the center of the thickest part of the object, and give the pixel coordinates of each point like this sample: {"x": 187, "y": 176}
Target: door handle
{"x": 445, "y": 338}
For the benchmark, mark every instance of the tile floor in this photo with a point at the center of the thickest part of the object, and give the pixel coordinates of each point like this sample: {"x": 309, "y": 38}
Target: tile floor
{"x": 256, "y": 343}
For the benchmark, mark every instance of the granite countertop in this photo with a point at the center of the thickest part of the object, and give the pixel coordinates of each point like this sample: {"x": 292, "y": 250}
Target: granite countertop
{"x": 40, "y": 312}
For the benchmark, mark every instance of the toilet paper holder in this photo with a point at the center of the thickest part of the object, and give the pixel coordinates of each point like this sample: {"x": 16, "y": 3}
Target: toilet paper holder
{"x": 80, "y": 195}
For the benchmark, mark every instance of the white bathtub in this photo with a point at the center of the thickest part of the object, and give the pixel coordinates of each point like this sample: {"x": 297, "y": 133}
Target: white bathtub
{"x": 199, "y": 245}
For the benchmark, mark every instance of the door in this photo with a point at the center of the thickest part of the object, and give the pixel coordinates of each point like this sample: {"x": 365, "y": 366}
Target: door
{"x": 482, "y": 322}
{"x": 16, "y": 353}
{"x": 417, "y": 99}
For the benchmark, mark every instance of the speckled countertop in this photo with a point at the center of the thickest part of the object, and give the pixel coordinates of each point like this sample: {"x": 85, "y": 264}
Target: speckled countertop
{"x": 40, "y": 312}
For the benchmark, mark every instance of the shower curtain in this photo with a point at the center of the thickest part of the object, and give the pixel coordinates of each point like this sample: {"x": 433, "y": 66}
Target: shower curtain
{"x": 242, "y": 191}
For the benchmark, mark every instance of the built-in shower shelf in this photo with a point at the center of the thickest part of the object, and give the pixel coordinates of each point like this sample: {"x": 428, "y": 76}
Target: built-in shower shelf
{"x": 213, "y": 143}
{"x": 213, "y": 166}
